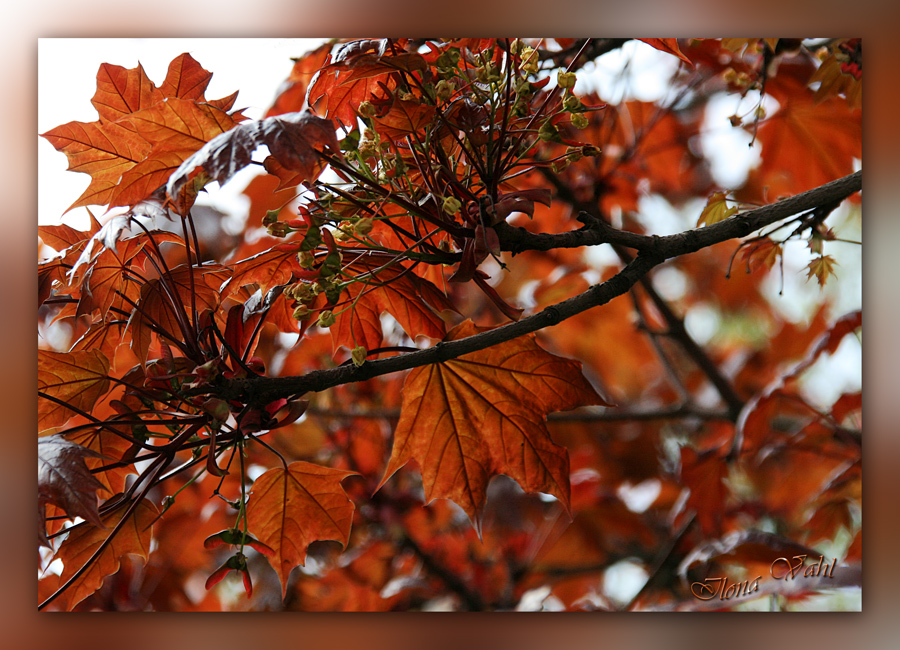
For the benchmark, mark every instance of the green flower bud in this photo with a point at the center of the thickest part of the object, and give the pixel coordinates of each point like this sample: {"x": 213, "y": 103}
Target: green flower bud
{"x": 359, "y": 355}
{"x": 326, "y": 319}
{"x": 344, "y": 232}
{"x": 451, "y": 205}
{"x": 306, "y": 259}
{"x": 270, "y": 218}
{"x": 530, "y": 60}
{"x": 444, "y": 89}
{"x": 364, "y": 226}
{"x": 548, "y": 132}
{"x": 571, "y": 103}
{"x": 366, "y": 109}
{"x": 566, "y": 79}
{"x": 301, "y": 312}
{"x": 579, "y": 120}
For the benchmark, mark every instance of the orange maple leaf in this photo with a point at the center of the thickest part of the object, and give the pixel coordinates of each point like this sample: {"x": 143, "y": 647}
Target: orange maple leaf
{"x": 482, "y": 414}
{"x": 77, "y": 378}
{"x": 412, "y": 300}
{"x": 132, "y": 539}
{"x": 806, "y": 143}
{"x": 143, "y": 132}
{"x": 289, "y": 508}
{"x": 668, "y": 45}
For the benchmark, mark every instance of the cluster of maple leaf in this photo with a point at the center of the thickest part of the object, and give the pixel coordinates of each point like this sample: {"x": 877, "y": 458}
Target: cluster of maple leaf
{"x": 237, "y": 405}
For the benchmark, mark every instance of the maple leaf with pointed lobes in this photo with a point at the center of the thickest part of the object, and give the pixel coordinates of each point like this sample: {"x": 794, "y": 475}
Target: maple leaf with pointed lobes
{"x": 78, "y": 379}
{"x": 132, "y": 539}
{"x": 716, "y": 210}
{"x": 822, "y": 267}
{"x": 806, "y": 142}
{"x": 64, "y": 480}
{"x": 482, "y": 414}
{"x": 415, "y": 302}
{"x": 668, "y": 45}
{"x": 144, "y": 132}
{"x": 289, "y": 508}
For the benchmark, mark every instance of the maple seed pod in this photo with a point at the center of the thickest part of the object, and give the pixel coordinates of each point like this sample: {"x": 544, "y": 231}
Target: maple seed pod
{"x": 326, "y": 319}
{"x": 566, "y": 79}
{"x": 358, "y": 354}
{"x": 451, "y": 205}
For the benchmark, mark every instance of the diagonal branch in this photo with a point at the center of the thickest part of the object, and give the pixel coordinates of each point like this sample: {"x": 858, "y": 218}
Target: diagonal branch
{"x": 516, "y": 239}
{"x": 653, "y": 251}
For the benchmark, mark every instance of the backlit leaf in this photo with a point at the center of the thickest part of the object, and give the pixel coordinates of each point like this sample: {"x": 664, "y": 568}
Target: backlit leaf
{"x": 105, "y": 151}
{"x": 132, "y": 539}
{"x": 64, "y": 479}
{"x": 266, "y": 269}
{"x": 186, "y": 78}
{"x": 822, "y": 268}
{"x": 415, "y": 302}
{"x": 404, "y": 118}
{"x": 77, "y": 378}
{"x": 805, "y": 143}
{"x": 121, "y": 91}
{"x": 716, "y": 210}
{"x": 668, "y": 45}
{"x": 290, "y": 508}
{"x": 466, "y": 420}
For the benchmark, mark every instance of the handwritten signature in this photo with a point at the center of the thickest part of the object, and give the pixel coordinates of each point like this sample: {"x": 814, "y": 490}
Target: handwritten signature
{"x": 781, "y": 569}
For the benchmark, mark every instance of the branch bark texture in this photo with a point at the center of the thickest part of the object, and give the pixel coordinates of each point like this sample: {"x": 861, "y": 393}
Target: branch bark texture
{"x": 652, "y": 251}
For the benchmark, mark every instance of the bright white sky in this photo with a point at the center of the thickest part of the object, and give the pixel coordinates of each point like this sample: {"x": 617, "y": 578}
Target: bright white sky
{"x": 67, "y": 70}
{"x": 67, "y": 73}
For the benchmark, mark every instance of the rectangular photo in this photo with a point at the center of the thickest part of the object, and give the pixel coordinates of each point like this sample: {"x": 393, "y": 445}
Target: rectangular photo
{"x": 473, "y": 324}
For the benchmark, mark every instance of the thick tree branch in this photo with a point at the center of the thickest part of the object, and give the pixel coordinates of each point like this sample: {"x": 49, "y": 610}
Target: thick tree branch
{"x": 653, "y": 251}
{"x": 516, "y": 239}
{"x": 585, "y": 414}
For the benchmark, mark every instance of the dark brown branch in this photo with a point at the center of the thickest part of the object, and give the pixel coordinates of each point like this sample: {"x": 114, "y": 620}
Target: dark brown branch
{"x": 262, "y": 390}
{"x": 516, "y": 239}
{"x": 586, "y": 414}
{"x": 654, "y": 250}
